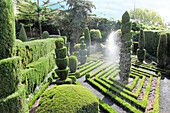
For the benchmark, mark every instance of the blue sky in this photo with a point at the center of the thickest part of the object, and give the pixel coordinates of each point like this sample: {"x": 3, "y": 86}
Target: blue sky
{"x": 115, "y": 8}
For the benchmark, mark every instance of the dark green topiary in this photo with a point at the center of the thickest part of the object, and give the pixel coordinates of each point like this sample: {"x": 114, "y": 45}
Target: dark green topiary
{"x": 61, "y": 53}
{"x": 62, "y": 73}
{"x": 7, "y": 29}
{"x": 83, "y": 53}
{"x": 62, "y": 63}
{"x": 65, "y": 39}
{"x": 87, "y": 39}
{"x": 73, "y": 63}
{"x": 45, "y": 35}
{"x": 22, "y": 34}
{"x": 59, "y": 43}
{"x": 141, "y": 52}
{"x": 141, "y": 40}
{"x": 68, "y": 99}
{"x": 95, "y": 35}
{"x": 77, "y": 47}
{"x": 87, "y": 75}
{"x": 162, "y": 50}
{"x": 126, "y": 47}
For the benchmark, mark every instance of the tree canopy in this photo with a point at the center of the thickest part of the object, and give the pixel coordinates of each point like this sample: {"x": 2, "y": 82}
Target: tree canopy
{"x": 147, "y": 17}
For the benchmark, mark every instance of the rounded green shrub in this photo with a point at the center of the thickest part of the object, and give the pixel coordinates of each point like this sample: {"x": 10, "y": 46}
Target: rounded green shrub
{"x": 7, "y": 29}
{"x": 45, "y": 35}
{"x": 73, "y": 63}
{"x": 62, "y": 63}
{"x": 68, "y": 99}
{"x": 87, "y": 39}
{"x": 61, "y": 53}
{"x": 62, "y": 74}
{"x": 59, "y": 43}
{"x": 22, "y": 34}
{"x": 162, "y": 50}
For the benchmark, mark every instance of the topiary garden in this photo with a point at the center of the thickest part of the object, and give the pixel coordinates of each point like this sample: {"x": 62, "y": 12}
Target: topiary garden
{"x": 42, "y": 75}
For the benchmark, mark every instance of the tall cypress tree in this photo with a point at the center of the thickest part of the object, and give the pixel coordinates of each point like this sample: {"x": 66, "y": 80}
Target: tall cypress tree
{"x": 7, "y": 29}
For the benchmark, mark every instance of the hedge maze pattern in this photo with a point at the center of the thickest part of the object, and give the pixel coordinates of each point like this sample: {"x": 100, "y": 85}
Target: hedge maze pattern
{"x": 134, "y": 97}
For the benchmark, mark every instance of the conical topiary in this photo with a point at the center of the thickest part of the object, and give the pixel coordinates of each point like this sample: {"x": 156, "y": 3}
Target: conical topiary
{"x": 162, "y": 50}
{"x": 22, "y": 34}
{"x": 125, "y": 50}
{"x": 141, "y": 52}
{"x": 83, "y": 52}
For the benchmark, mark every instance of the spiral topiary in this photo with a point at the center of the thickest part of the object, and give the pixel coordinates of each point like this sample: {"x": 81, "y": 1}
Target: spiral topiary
{"x": 141, "y": 52}
{"x": 162, "y": 51}
{"x": 22, "y": 34}
{"x": 45, "y": 35}
{"x": 125, "y": 50}
{"x": 73, "y": 63}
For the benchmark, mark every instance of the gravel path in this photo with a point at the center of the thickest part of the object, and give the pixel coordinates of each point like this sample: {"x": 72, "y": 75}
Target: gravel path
{"x": 164, "y": 95}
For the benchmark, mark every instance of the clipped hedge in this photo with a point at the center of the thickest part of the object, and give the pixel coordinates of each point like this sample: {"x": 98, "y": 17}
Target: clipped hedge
{"x": 68, "y": 99}
{"x": 7, "y": 29}
{"x": 9, "y": 75}
{"x": 15, "y": 103}
{"x": 95, "y": 35}
{"x": 31, "y": 51}
{"x": 37, "y": 71}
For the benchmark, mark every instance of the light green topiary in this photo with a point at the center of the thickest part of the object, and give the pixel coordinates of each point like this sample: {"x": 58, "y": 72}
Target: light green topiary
{"x": 83, "y": 52}
{"x": 7, "y": 29}
{"x": 68, "y": 99}
{"x": 162, "y": 51}
{"x": 22, "y": 34}
{"x": 45, "y": 35}
{"x": 95, "y": 35}
{"x": 73, "y": 63}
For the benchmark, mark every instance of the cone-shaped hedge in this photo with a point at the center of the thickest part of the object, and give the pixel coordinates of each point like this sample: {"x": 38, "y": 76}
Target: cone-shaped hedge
{"x": 22, "y": 34}
{"x": 125, "y": 55}
{"x": 162, "y": 50}
{"x": 73, "y": 63}
{"x": 7, "y": 29}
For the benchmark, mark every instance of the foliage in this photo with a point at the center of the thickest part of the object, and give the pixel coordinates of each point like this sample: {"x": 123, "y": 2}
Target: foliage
{"x": 73, "y": 63}
{"x": 74, "y": 19}
{"x": 7, "y": 29}
{"x": 95, "y": 36}
{"x": 79, "y": 99}
{"x": 39, "y": 13}
{"x": 45, "y": 35}
{"x": 162, "y": 51}
{"x": 147, "y": 17}
{"x": 22, "y": 34}
{"x": 31, "y": 51}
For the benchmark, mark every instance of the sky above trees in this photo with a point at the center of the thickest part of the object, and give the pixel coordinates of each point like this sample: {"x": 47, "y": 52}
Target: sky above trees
{"x": 115, "y": 8}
